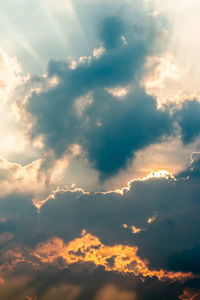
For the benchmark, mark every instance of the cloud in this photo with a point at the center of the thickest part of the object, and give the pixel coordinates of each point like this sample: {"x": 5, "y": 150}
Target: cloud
{"x": 11, "y": 131}
{"x": 143, "y": 201}
{"x": 111, "y": 292}
{"x": 188, "y": 120}
{"x": 188, "y": 259}
{"x": 5, "y": 237}
{"x": 67, "y": 212}
{"x": 80, "y": 283}
{"x": 10, "y": 77}
{"x": 118, "y": 258}
{"x": 176, "y": 73}
{"x": 159, "y": 197}
{"x": 111, "y": 30}
{"x": 64, "y": 291}
{"x": 18, "y": 178}
{"x": 190, "y": 294}
{"x": 155, "y": 259}
{"x": 110, "y": 132}
{"x": 38, "y": 177}
{"x": 18, "y": 219}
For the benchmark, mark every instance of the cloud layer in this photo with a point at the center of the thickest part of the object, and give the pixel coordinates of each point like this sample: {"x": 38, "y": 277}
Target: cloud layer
{"x": 77, "y": 231}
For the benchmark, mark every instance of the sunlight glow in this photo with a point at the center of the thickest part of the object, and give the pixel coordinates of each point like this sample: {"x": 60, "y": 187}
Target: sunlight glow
{"x": 162, "y": 174}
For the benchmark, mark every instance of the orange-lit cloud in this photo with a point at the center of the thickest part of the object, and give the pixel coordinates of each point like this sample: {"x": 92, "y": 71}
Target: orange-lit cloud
{"x": 89, "y": 248}
{"x": 190, "y": 294}
{"x": 133, "y": 228}
{"x": 11, "y": 258}
{"x": 5, "y": 237}
{"x": 152, "y": 219}
{"x": 136, "y": 229}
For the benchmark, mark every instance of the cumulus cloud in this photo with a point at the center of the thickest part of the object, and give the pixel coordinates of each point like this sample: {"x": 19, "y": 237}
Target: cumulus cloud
{"x": 110, "y": 132}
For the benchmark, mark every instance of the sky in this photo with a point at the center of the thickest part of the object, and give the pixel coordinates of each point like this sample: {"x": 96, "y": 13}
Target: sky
{"x": 100, "y": 150}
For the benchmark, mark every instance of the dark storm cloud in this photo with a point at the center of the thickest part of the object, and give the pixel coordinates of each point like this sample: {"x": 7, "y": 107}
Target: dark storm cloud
{"x": 109, "y": 130}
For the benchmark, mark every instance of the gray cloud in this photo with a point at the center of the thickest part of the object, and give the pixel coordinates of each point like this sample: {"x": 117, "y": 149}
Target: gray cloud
{"x": 110, "y": 131}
